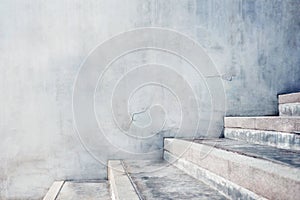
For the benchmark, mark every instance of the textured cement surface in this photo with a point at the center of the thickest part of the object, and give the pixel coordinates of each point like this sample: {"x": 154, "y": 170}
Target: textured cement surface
{"x": 84, "y": 191}
{"x": 289, "y": 109}
{"x": 272, "y": 138}
{"x": 232, "y": 190}
{"x": 254, "y": 44}
{"x": 281, "y": 156}
{"x": 264, "y": 177}
{"x": 158, "y": 180}
{"x": 269, "y": 123}
{"x": 120, "y": 185}
{"x": 289, "y": 98}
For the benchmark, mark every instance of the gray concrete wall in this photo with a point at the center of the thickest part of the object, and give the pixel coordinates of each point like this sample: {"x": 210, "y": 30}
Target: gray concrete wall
{"x": 254, "y": 44}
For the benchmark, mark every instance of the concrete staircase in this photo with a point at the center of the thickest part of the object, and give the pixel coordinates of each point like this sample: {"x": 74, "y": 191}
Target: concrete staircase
{"x": 259, "y": 158}
{"x": 289, "y": 104}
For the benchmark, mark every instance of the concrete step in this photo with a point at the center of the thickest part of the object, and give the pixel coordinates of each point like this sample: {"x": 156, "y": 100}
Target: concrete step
{"x": 79, "y": 190}
{"x": 240, "y": 170}
{"x": 289, "y": 104}
{"x": 160, "y": 180}
{"x": 289, "y": 109}
{"x": 277, "y": 139}
{"x": 280, "y": 132}
{"x": 121, "y": 186}
{"x": 275, "y": 155}
{"x": 279, "y": 124}
{"x": 54, "y": 190}
{"x": 289, "y": 98}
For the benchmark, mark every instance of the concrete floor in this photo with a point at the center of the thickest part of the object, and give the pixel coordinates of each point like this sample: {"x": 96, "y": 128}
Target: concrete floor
{"x": 84, "y": 191}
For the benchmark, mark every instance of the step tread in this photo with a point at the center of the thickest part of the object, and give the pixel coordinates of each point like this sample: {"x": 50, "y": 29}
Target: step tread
{"x": 263, "y": 177}
{"x": 289, "y": 98}
{"x": 281, "y": 156}
{"x": 73, "y": 190}
{"x": 160, "y": 180}
{"x": 290, "y": 124}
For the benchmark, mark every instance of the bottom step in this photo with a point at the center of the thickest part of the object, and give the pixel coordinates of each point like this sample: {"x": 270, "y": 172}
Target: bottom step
{"x": 160, "y": 180}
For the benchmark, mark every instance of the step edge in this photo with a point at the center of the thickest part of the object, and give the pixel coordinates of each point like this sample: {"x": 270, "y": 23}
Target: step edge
{"x": 279, "y": 145}
{"x": 258, "y": 163}
{"x": 54, "y": 190}
{"x": 116, "y": 169}
{"x": 289, "y": 98}
{"x": 286, "y": 188}
{"x": 288, "y": 124}
{"x": 210, "y": 178}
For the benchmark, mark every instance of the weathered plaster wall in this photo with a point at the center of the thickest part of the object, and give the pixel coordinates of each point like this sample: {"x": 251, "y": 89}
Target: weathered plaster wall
{"x": 255, "y": 45}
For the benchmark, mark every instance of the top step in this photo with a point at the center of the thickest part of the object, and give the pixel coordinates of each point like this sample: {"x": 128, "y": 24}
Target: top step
{"x": 267, "y": 123}
{"x": 289, "y": 98}
{"x": 289, "y": 104}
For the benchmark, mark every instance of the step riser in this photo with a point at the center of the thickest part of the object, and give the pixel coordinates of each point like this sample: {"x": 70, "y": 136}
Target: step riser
{"x": 271, "y": 138}
{"x": 280, "y": 124}
{"x": 226, "y": 187}
{"x": 289, "y": 109}
{"x": 271, "y": 181}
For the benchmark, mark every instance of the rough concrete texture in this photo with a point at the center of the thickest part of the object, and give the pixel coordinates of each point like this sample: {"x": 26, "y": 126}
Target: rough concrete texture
{"x": 228, "y": 188}
{"x": 280, "y": 156}
{"x": 289, "y": 98}
{"x": 84, "y": 190}
{"x": 254, "y": 44}
{"x": 272, "y": 138}
{"x": 280, "y": 124}
{"x": 264, "y": 177}
{"x": 289, "y": 109}
{"x": 157, "y": 180}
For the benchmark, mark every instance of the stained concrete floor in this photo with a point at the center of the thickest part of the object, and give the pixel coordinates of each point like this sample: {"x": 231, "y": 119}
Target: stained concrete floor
{"x": 84, "y": 191}
{"x": 168, "y": 182}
